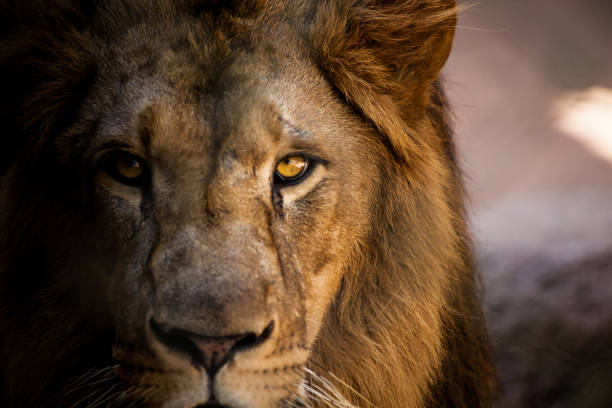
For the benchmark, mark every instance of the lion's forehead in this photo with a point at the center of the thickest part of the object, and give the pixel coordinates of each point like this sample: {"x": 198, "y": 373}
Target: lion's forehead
{"x": 187, "y": 106}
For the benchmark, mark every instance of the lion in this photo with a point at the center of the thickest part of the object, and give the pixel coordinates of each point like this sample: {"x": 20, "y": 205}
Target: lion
{"x": 238, "y": 204}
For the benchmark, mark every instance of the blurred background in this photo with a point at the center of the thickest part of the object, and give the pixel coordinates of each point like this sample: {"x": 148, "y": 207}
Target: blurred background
{"x": 531, "y": 87}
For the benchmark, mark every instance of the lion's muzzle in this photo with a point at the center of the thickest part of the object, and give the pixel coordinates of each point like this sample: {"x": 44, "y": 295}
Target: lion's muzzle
{"x": 214, "y": 282}
{"x": 216, "y": 311}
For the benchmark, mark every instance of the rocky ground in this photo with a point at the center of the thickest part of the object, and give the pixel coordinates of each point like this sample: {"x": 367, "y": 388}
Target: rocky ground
{"x": 535, "y": 137}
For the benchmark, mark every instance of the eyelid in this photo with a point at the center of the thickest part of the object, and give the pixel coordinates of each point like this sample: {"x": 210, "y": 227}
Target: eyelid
{"x": 305, "y": 152}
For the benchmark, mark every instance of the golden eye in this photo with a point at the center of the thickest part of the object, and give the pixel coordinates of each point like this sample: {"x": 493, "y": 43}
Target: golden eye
{"x": 291, "y": 168}
{"x": 128, "y": 169}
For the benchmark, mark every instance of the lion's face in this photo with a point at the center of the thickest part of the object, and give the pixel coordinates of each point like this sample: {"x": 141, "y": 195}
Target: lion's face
{"x": 224, "y": 213}
{"x": 237, "y": 204}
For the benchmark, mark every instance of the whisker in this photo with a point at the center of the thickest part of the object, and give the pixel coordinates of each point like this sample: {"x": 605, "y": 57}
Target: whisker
{"x": 110, "y": 393}
{"x": 83, "y": 382}
{"x": 349, "y": 387}
{"x": 326, "y": 391}
{"x": 320, "y": 394}
{"x": 294, "y": 399}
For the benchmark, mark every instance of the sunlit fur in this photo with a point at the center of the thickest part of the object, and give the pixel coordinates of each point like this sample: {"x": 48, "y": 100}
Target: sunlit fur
{"x": 414, "y": 305}
{"x": 391, "y": 316}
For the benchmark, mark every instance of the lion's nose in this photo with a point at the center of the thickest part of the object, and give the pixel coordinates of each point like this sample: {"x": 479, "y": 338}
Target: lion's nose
{"x": 208, "y": 352}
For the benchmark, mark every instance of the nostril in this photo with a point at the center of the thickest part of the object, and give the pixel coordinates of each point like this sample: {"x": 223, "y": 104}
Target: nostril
{"x": 178, "y": 341}
{"x": 252, "y": 340}
{"x": 209, "y": 352}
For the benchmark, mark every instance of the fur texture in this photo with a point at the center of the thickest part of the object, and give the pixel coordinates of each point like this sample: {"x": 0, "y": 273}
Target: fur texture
{"x": 364, "y": 268}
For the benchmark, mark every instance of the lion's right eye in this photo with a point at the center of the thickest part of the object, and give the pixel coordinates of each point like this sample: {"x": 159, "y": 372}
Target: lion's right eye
{"x": 128, "y": 169}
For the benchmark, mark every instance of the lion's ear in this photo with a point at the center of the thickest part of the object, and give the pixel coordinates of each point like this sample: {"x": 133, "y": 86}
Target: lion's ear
{"x": 383, "y": 56}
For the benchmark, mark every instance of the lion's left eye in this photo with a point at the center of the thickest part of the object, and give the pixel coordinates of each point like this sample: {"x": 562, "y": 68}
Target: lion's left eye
{"x": 291, "y": 169}
{"x": 128, "y": 169}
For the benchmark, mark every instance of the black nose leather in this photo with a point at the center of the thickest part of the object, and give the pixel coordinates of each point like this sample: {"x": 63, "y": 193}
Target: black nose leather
{"x": 209, "y": 352}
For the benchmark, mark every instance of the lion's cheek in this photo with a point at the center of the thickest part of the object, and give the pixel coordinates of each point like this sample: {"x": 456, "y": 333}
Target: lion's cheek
{"x": 320, "y": 290}
{"x": 118, "y": 213}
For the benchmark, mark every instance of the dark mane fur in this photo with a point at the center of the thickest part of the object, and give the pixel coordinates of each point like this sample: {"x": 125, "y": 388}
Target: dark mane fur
{"x": 474, "y": 381}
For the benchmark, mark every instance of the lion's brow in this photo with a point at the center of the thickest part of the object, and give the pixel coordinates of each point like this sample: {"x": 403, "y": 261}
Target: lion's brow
{"x": 295, "y": 131}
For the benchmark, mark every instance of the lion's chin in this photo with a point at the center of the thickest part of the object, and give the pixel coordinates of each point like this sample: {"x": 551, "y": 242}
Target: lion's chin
{"x": 229, "y": 390}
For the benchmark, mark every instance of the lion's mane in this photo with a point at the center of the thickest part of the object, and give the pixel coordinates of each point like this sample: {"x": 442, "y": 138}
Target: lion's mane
{"x": 382, "y": 318}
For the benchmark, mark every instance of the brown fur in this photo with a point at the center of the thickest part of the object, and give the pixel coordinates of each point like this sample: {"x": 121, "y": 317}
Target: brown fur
{"x": 366, "y": 272}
